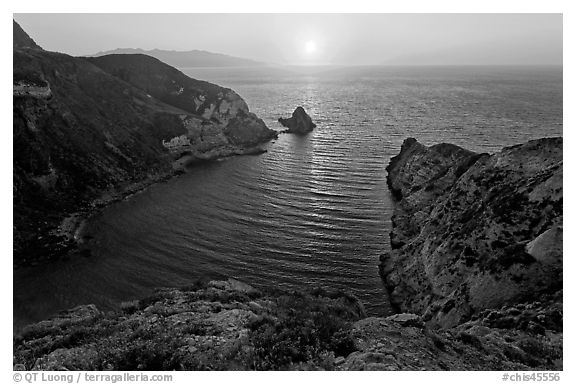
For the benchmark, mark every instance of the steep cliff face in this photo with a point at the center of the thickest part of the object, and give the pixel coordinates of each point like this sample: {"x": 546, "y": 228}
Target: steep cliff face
{"x": 474, "y": 231}
{"x": 80, "y": 131}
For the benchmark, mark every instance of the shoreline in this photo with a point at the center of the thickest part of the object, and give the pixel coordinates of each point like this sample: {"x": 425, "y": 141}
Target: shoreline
{"x": 66, "y": 239}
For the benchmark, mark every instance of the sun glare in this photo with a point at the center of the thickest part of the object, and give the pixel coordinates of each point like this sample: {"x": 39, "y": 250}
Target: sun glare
{"x": 310, "y": 46}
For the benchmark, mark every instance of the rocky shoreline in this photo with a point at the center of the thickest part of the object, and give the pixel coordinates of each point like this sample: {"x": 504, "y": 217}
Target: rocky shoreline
{"x": 69, "y": 234}
{"x": 67, "y": 238}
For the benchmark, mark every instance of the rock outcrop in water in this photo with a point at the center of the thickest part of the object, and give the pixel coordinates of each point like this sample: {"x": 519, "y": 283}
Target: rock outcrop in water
{"x": 88, "y": 129}
{"x": 299, "y": 123}
{"x": 229, "y": 325}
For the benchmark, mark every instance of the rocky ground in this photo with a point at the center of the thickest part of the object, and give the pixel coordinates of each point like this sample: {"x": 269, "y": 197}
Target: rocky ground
{"x": 229, "y": 325}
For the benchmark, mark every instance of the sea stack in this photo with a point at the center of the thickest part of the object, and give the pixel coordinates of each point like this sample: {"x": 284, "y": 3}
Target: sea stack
{"x": 299, "y": 123}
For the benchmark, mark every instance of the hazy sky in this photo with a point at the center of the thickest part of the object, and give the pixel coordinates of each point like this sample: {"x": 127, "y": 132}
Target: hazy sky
{"x": 347, "y": 39}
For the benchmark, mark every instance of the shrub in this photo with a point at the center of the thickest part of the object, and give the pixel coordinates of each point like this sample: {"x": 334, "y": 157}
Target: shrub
{"x": 129, "y": 307}
{"x": 305, "y": 330}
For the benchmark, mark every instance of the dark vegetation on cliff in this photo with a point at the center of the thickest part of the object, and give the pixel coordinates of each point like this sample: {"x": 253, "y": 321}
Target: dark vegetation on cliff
{"x": 90, "y": 133}
{"x": 83, "y": 131}
{"x": 214, "y": 104}
{"x": 21, "y": 38}
{"x": 160, "y": 80}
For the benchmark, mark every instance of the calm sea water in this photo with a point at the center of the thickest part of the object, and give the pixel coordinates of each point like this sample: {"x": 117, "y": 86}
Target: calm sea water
{"x": 312, "y": 211}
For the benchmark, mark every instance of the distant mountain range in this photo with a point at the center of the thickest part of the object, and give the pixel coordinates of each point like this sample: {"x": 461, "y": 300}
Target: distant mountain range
{"x": 188, "y": 59}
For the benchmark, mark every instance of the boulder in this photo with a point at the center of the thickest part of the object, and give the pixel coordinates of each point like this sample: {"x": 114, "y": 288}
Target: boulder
{"x": 233, "y": 285}
{"x": 547, "y": 248}
{"x": 407, "y": 320}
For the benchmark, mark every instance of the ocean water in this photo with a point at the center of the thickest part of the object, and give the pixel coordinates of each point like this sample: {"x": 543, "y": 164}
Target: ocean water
{"x": 312, "y": 211}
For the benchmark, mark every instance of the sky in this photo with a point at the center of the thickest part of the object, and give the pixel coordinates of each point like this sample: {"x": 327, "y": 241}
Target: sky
{"x": 314, "y": 39}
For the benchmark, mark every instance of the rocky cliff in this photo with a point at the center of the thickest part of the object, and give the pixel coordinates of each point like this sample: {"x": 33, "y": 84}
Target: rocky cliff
{"x": 84, "y": 129}
{"x": 476, "y": 232}
{"x": 220, "y": 118}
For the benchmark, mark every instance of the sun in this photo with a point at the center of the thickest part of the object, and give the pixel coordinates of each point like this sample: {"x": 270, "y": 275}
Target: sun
{"x": 310, "y": 46}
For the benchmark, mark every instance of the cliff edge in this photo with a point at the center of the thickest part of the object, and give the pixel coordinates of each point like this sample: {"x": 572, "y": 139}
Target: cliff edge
{"x": 474, "y": 231}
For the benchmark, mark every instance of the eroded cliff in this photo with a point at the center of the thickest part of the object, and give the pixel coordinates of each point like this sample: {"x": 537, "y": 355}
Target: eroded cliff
{"x": 473, "y": 232}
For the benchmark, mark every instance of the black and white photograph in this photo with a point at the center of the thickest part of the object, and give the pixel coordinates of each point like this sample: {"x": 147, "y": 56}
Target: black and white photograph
{"x": 287, "y": 192}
